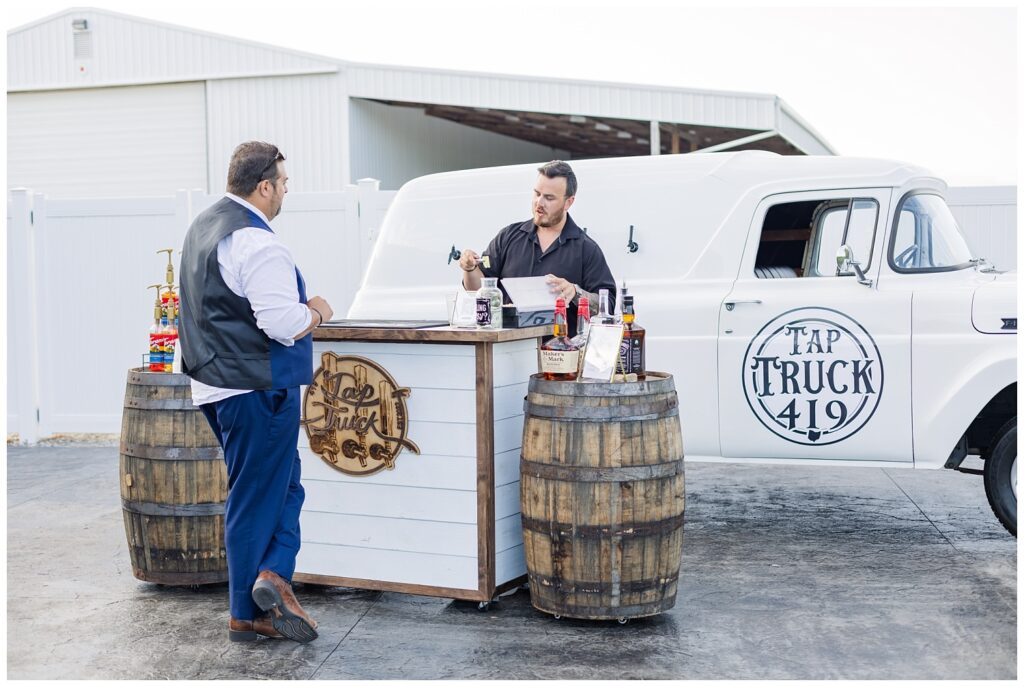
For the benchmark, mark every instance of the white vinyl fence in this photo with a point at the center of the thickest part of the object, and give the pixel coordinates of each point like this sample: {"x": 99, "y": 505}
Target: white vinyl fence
{"x": 77, "y": 270}
{"x": 988, "y": 217}
{"x": 78, "y": 308}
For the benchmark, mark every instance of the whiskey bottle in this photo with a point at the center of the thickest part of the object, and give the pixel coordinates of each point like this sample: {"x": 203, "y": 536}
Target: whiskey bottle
{"x": 631, "y": 351}
{"x": 559, "y": 356}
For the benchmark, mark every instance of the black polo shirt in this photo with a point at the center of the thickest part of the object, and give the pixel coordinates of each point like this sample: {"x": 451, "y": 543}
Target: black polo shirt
{"x": 515, "y": 252}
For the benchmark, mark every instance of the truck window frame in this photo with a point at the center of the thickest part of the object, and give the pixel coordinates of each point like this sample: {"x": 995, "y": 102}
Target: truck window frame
{"x": 836, "y": 205}
{"x": 895, "y": 230}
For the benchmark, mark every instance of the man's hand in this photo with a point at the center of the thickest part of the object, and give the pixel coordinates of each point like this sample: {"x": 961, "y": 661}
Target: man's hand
{"x": 561, "y": 288}
{"x": 469, "y": 260}
{"x": 321, "y": 306}
{"x": 316, "y": 304}
{"x": 471, "y": 273}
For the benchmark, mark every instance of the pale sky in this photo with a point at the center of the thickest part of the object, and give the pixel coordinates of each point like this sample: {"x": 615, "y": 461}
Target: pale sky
{"x": 936, "y": 86}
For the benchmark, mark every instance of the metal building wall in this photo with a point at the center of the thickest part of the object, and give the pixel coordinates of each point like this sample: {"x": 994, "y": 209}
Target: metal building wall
{"x": 106, "y": 142}
{"x": 396, "y": 144}
{"x": 305, "y": 116}
{"x": 129, "y": 50}
{"x": 988, "y": 217}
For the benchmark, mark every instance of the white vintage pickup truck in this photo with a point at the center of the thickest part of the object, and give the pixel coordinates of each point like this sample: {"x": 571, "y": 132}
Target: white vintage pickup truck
{"x": 813, "y": 310}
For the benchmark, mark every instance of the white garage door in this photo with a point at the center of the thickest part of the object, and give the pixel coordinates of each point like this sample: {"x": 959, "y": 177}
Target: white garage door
{"x": 131, "y": 141}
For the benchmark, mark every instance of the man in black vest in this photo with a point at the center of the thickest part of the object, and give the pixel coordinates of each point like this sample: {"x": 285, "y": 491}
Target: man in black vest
{"x": 246, "y": 341}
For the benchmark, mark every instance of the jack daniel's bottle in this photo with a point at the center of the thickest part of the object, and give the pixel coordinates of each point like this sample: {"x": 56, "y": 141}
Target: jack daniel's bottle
{"x": 559, "y": 357}
{"x": 631, "y": 351}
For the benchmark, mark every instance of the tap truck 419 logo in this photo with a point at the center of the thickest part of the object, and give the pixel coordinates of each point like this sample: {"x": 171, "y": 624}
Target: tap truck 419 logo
{"x": 355, "y": 415}
{"x": 813, "y": 376}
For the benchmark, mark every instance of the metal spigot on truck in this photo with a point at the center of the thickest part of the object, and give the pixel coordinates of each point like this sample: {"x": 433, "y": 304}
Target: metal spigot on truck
{"x": 813, "y": 310}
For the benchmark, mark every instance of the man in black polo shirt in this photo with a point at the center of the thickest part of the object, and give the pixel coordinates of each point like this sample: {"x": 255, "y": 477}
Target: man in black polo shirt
{"x": 549, "y": 245}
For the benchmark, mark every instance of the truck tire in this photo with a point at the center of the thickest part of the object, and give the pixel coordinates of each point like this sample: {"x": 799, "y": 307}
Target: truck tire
{"x": 1001, "y": 476}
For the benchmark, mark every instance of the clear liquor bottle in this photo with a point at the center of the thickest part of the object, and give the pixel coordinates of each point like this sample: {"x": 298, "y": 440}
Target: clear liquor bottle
{"x": 631, "y": 351}
{"x": 620, "y": 298}
{"x": 604, "y": 315}
{"x": 582, "y": 330}
{"x": 582, "y": 323}
{"x": 559, "y": 356}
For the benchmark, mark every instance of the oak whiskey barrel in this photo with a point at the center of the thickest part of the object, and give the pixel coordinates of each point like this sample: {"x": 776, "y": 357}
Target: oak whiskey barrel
{"x": 602, "y": 497}
{"x": 173, "y": 483}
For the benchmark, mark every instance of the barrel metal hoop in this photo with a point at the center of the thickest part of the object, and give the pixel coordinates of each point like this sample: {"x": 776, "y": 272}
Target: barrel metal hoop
{"x": 143, "y": 378}
{"x": 160, "y": 404}
{"x": 179, "y": 510}
{"x": 172, "y": 452}
{"x": 600, "y": 586}
{"x": 565, "y": 530}
{"x": 572, "y": 473}
{"x": 622, "y": 413}
{"x": 656, "y": 382}
{"x": 610, "y": 612}
{"x": 178, "y": 578}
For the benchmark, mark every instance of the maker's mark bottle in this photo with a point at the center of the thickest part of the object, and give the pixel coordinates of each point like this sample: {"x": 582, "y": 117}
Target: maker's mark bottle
{"x": 559, "y": 356}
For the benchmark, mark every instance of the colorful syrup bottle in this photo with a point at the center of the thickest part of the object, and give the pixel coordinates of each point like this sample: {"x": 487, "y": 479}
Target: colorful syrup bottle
{"x": 157, "y": 334}
{"x": 169, "y": 322}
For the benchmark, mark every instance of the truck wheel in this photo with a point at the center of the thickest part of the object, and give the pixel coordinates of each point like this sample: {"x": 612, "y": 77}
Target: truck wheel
{"x": 1001, "y": 476}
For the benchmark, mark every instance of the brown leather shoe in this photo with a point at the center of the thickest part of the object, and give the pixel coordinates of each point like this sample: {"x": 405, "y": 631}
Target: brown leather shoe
{"x": 246, "y": 630}
{"x": 274, "y": 595}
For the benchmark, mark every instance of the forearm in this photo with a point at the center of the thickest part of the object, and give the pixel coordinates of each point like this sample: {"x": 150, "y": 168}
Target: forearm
{"x": 315, "y": 320}
{"x": 471, "y": 279}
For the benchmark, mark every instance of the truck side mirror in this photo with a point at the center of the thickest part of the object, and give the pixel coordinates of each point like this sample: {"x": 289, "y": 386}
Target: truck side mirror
{"x": 845, "y": 260}
{"x": 843, "y": 257}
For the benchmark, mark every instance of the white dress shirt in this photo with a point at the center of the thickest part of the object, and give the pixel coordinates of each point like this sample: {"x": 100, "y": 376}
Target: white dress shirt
{"x": 256, "y": 265}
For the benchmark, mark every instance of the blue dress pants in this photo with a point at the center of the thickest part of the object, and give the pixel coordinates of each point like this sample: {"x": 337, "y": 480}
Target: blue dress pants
{"x": 258, "y": 432}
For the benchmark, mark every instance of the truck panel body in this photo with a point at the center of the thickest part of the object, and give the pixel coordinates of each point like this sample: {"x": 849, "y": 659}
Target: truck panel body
{"x": 769, "y": 368}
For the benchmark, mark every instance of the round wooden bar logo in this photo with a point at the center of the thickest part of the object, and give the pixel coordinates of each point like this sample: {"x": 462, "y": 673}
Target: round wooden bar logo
{"x": 813, "y": 376}
{"x": 355, "y": 416}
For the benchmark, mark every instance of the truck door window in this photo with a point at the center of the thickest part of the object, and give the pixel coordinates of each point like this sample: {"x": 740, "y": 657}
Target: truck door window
{"x": 801, "y": 239}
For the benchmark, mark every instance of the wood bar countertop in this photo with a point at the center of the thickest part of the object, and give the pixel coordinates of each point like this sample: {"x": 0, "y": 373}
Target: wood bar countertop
{"x": 331, "y": 332}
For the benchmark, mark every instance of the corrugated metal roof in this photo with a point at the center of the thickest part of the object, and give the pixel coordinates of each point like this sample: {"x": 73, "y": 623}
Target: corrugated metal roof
{"x": 125, "y": 50}
{"x": 130, "y": 50}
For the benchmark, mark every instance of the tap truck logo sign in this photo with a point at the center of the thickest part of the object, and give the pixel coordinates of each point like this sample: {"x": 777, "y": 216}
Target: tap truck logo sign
{"x": 813, "y": 376}
{"x": 355, "y": 415}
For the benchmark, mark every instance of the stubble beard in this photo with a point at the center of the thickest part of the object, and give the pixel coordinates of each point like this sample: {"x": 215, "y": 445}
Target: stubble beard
{"x": 548, "y": 220}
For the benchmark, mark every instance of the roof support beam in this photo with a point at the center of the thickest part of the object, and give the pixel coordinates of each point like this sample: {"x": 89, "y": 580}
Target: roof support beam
{"x": 738, "y": 142}
{"x": 655, "y": 137}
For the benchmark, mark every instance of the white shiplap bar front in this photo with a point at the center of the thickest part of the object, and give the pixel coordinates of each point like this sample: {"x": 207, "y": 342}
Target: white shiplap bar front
{"x": 445, "y": 522}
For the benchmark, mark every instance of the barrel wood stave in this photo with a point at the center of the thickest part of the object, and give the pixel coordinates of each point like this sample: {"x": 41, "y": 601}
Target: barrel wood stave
{"x": 173, "y": 483}
{"x": 602, "y": 499}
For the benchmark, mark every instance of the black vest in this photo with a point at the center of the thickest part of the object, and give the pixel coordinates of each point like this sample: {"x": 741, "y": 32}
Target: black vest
{"x": 221, "y": 343}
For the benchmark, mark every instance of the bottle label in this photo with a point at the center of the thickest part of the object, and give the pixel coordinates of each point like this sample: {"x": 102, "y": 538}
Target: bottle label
{"x": 483, "y": 312}
{"x": 559, "y": 362}
{"x": 631, "y": 356}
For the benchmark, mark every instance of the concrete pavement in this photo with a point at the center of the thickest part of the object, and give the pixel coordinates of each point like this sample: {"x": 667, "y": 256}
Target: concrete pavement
{"x": 787, "y": 573}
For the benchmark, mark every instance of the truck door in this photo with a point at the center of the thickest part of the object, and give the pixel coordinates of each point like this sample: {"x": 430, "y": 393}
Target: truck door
{"x": 813, "y": 363}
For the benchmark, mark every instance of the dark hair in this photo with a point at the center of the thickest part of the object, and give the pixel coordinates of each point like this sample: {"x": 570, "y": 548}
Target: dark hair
{"x": 557, "y": 168}
{"x": 251, "y": 163}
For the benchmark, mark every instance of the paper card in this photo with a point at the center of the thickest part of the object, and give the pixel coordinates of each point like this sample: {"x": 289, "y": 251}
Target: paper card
{"x": 602, "y": 354}
{"x": 529, "y": 293}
